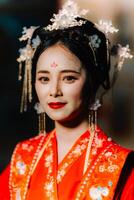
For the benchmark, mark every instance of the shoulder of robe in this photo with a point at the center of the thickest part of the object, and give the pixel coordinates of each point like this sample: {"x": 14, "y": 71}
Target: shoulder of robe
{"x": 28, "y": 147}
{"x": 117, "y": 148}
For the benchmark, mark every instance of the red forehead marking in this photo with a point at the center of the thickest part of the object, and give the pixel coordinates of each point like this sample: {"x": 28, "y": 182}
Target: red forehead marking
{"x": 54, "y": 64}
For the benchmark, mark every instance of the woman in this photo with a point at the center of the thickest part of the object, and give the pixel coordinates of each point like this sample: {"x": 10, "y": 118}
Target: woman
{"x": 76, "y": 160}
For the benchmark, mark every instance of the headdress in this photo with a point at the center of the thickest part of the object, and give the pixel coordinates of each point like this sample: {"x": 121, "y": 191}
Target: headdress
{"x": 69, "y": 16}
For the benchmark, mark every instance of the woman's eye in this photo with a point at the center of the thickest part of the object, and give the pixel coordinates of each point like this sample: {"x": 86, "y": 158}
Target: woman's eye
{"x": 43, "y": 79}
{"x": 69, "y": 79}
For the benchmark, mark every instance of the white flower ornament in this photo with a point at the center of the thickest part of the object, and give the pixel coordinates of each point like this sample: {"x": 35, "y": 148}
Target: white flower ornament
{"x": 38, "y": 108}
{"x": 25, "y": 53}
{"x": 27, "y": 33}
{"x": 36, "y": 42}
{"x": 28, "y": 51}
{"x": 95, "y": 41}
{"x": 97, "y": 193}
{"x": 123, "y": 53}
{"x": 96, "y": 105}
{"x": 106, "y": 26}
{"x": 67, "y": 17}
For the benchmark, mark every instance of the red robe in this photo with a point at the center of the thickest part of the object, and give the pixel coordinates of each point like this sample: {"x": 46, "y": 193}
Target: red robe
{"x": 110, "y": 174}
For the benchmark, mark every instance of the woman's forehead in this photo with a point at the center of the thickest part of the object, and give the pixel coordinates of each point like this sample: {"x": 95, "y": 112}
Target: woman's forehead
{"x": 57, "y": 57}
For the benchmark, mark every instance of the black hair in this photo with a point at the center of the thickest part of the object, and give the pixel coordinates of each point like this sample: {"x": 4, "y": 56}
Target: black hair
{"x": 77, "y": 40}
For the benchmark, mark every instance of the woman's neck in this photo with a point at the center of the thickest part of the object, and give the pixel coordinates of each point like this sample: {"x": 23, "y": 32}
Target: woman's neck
{"x": 71, "y": 132}
{"x": 68, "y": 135}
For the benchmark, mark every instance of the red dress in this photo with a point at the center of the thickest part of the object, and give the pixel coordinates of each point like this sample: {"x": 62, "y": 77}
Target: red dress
{"x": 110, "y": 174}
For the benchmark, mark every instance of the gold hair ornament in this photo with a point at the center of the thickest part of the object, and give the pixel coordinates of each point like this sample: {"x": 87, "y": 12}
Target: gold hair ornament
{"x": 26, "y": 55}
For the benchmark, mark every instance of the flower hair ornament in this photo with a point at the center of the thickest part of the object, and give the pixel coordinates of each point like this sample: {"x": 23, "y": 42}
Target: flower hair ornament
{"x": 26, "y": 55}
{"x": 69, "y": 16}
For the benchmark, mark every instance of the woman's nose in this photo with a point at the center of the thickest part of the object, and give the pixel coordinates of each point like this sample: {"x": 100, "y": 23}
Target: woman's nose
{"x": 55, "y": 89}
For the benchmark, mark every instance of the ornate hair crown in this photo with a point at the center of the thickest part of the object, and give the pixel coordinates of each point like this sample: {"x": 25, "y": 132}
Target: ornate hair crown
{"x": 67, "y": 17}
{"x": 64, "y": 19}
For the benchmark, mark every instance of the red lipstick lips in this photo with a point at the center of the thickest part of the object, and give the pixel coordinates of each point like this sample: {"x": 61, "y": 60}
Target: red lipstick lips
{"x": 56, "y": 105}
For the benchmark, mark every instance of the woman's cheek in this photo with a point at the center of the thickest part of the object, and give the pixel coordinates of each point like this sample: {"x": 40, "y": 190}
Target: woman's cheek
{"x": 38, "y": 90}
{"x": 74, "y": 91}
{"x": 41, "y": 89}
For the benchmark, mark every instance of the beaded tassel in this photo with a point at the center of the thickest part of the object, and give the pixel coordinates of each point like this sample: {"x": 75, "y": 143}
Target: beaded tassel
{"x": 42, "y": 124}
{"x": 42, "y": 118}
{"x": 27, "y": 87}
{"x": 20, "y": 72}
{"x": 92, "y": 129}
{"x": 92, "y": 132}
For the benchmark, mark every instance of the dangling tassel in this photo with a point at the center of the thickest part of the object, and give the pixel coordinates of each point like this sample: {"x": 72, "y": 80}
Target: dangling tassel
{"x": 20, "y": 72}
{"x": 26, "y": 55}
{"x": 24, "y": 93}
{"x": 42, "y": 123}
{"x": 92, "y": 120}
{"x": 29, "y": 80}
{"x": 42, "y": 118}
{"x": 92, "y": 130}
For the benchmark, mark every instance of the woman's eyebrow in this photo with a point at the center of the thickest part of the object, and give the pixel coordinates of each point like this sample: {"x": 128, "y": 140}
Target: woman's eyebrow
{"x": 62, "y": 71}
{"x": 70, "y": 70}
{"x": 43, "y": 71}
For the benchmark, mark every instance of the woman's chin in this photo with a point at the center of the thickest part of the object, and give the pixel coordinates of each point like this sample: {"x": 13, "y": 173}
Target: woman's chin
{"x": 58, "y": 117}
{"x": 66, "y": 118}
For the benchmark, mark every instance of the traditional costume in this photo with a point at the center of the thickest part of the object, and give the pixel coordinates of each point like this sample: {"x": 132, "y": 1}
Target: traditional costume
{"x": 34, "y": 172}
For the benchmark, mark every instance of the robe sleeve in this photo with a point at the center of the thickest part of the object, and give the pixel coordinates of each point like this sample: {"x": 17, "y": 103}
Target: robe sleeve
{"x": 125, "y": 187}
{"x": 4, "y": 188}
{"x": 128, "y": 191}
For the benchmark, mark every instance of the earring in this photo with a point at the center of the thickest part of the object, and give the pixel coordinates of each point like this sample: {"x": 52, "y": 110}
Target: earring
{"x": 93, "y": 115}
{"x": 42, "y": 118}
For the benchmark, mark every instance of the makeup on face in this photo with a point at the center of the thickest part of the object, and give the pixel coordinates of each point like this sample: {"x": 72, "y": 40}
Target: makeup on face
{"x": 54, "y": 65}
{"x": 60, "y": 79}
{"x": 56, "y": 105}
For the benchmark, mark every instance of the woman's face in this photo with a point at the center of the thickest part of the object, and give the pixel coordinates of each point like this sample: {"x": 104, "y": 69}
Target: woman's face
{"x": 60, "y": 79}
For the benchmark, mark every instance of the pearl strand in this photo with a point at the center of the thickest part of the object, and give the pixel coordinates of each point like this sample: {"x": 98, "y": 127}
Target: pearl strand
{"x": 11, "y": 170}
